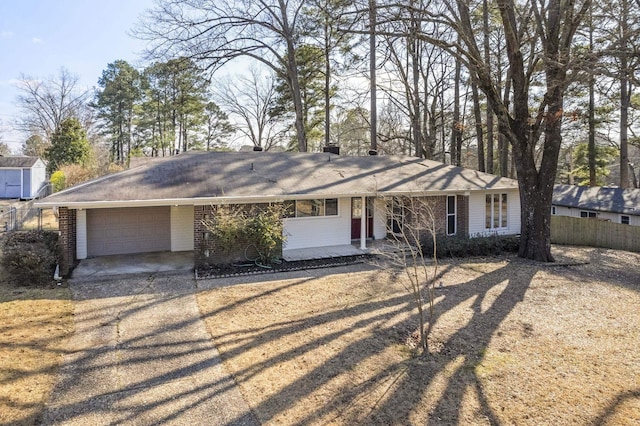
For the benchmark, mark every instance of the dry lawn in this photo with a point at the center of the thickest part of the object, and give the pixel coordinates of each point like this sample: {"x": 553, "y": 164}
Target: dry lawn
{"x": 49, "y": 221}
{"x": 513, "y": 342}
{"x": 33, "y": 326}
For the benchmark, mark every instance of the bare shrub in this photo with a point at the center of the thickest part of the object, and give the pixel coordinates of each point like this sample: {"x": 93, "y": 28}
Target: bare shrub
{"x": 411, "y": 224}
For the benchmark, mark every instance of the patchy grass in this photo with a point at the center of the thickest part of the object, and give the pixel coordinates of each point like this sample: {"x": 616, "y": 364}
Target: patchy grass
{"x": 513, "y": 342}
{"x": 34, "y": 324}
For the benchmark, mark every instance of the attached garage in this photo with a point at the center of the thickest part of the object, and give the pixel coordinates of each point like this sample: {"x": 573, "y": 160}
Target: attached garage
{"x": 128, "y": 230}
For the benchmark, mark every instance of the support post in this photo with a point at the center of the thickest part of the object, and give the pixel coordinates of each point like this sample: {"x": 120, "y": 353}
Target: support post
{"x": 363, "y": 224}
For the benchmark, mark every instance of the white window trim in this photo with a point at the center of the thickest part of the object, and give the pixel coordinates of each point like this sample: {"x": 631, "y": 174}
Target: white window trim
{"x": 324, "y": 216}
{"x": 589, "y": 213}
{"x": 500, "y": 218}
{"x": 454, "y": 214}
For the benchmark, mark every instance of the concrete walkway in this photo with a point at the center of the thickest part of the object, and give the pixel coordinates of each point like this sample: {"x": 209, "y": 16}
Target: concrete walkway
{"x": 141, "y": 354}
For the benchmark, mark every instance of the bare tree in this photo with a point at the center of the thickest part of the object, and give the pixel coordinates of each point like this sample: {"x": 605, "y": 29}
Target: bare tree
{"x": 412, "y": 228}
{"x": 216, "y": 32}
{"x": 47, "y": 103}
{"x": 539, "y": 44}
{"x": 248, "y": 100}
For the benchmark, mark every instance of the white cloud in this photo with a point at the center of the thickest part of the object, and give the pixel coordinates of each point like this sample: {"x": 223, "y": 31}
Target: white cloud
{"x": 36, "y": 40}
{"x": 6, "y": 34}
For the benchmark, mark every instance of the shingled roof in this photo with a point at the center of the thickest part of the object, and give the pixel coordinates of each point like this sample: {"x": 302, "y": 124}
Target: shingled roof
{"x": 18, "y": 162}
{"x": 598, "y": 198}
{"x": 209, "y": 177}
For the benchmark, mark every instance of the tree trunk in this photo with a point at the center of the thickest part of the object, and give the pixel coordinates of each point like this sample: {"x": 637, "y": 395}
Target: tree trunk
{"x": 625, "y": 97}
{"x": 625, "y": 101}
{"x": 478, "y": 118}
{"x": 592, "y": 120}
{"x": 327, "y": 83}
{"x": 456, "y": 126}
{"x": 293, "y": 80}
{"x": 503, "y": 143}
{"x": 415, "y": 70}
{"x": 372, "y": 73}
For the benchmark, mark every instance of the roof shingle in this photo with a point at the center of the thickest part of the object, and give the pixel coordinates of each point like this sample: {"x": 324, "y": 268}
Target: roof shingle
{"x": 598, "y": 198}
{"x": 277, "y": 175}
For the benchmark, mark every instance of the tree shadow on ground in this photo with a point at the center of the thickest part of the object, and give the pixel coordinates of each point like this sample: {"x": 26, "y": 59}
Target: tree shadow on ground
{"x": 406, "y": 381}
{"x": 142, "y": 358}
{"x": 621, "y": 267}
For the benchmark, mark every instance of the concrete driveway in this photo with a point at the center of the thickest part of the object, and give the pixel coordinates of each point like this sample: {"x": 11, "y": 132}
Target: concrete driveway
{"x": 141, "y": 354}
{"x": 163, "y": 261}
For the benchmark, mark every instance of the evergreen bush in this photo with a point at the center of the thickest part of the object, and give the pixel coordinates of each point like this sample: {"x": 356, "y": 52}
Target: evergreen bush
{"x": 463, "y": 246}
{"x": 29, "y": 258}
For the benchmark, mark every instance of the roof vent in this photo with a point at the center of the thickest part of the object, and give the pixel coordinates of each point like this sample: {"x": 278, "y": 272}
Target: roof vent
{"x": 257, "y": 148}
{"x": 333, "y": 149}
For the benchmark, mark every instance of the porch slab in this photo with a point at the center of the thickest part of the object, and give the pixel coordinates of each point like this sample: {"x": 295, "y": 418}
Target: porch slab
{"x": 321, "y": 252}
{"x": 134, "y": 264}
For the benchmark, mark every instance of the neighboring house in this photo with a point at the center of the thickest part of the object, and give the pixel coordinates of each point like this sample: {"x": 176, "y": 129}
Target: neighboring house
{"x": 160, "y": 205}
{"x": 21, "y": 177}
{"x": 617, "y": 205}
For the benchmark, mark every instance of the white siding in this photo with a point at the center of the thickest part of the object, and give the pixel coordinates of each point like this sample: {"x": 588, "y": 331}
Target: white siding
{"x": 379, "y": 219}
{"x": 477, "y": 213}
{"x": 81, "y": 234}
{"x": 320, "y": 231}
{"x": 38, "y": 177}
{"x": 613, "y": 217}
{"x": 181, "y": 228}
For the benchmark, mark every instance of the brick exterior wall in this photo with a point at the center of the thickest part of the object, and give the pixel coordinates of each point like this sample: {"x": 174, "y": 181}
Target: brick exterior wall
{"x": 462, "y": 227}
{"x": 438, "y": 205}
{"x": 67, "y": 239}
{"x": 208, "y": 251}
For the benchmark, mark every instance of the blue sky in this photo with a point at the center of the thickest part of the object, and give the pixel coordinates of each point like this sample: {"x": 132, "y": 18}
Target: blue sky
{"x": 38, "y": 37}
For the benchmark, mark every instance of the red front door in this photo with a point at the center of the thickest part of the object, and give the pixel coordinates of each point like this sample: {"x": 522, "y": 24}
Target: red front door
{"x": 356, "y": 218}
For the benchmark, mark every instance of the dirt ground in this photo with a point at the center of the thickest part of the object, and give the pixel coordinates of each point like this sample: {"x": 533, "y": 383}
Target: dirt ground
{"x": 513, "y": 342}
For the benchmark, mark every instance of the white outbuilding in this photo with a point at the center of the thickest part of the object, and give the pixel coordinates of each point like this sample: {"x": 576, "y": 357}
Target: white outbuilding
{"x": 21, "y": 177}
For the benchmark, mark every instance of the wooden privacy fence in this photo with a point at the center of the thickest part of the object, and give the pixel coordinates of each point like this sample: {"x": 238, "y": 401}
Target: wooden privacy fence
{"x": 594, "y": 233}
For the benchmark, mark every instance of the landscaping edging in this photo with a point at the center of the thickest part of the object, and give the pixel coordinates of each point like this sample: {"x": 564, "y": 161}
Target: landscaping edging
{"x": 236, "y": 270}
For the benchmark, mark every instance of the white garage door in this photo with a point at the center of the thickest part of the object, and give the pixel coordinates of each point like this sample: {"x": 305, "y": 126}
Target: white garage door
{"x": 130, "y": 230}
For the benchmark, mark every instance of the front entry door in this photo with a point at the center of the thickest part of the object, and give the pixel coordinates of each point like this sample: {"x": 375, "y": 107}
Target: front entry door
{"x": 356, "y": 217}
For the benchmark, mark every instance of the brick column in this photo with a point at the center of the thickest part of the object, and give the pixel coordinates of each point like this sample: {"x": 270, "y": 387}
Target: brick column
{"x": 67, "y": 239}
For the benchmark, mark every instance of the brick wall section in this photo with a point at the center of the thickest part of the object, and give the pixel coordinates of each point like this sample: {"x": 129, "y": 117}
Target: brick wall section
{"x": 438, "y": 205}
{"x": 208, "y": 251}
{"x": 67, "y": 239}
{"x": 462, "y": 227}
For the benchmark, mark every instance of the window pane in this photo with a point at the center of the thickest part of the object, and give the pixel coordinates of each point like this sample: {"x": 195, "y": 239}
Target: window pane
{"x": 331, "y": 207}
{"x": 583, "y": 214}
{"x": 451, "y": 204}
{"x": 306, "y": 208}
{"x": 488, "y": 211}
{"x": 496, "y": 210}
{"x": 504, "y": 211}
{"x": 451, "y": 224}
{"x": 356, "y": 208}
{"x": 624, "y": 220}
